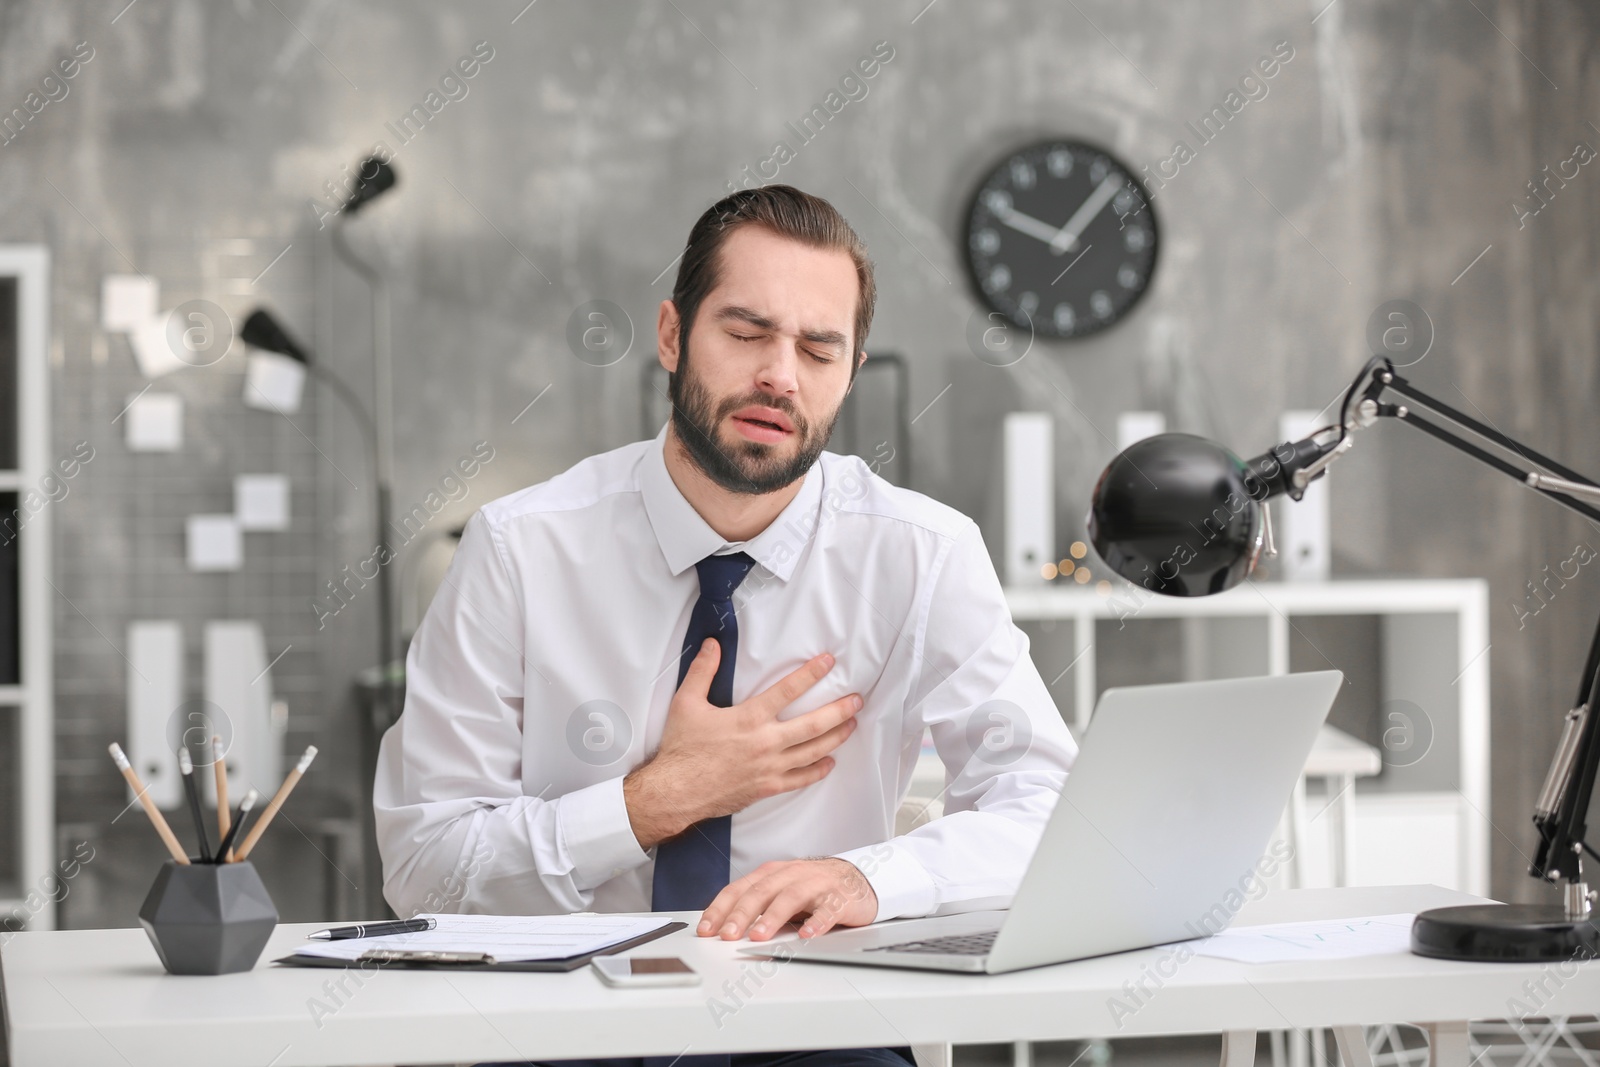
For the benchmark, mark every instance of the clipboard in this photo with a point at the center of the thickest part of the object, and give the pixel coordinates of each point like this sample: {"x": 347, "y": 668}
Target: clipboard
{"x": 438, "y": 962}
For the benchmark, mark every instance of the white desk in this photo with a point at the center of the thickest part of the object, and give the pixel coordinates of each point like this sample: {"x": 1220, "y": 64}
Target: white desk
{"x": 100, "y": 997}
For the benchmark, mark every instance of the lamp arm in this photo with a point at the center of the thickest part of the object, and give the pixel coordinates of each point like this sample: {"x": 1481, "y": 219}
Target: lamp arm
{"x": 1563, "y": 825}
{"x": 1569, "y": 489}
{"x": 1290, "y": 467}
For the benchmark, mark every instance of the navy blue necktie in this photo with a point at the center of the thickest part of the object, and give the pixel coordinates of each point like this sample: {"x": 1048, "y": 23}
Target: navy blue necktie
{"x": 692, "y": 868}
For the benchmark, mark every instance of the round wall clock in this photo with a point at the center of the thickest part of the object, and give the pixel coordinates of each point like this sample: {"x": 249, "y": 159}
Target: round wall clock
{"x": 1061, "y": 239}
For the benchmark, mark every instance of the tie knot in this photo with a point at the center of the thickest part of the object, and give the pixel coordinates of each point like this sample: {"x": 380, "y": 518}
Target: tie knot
{"x": 721, "y": 575}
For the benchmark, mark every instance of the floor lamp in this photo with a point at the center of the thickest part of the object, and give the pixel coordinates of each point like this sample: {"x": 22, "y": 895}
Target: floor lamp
{"x": 375, "y": 178}
{"x": 264, "y": 334}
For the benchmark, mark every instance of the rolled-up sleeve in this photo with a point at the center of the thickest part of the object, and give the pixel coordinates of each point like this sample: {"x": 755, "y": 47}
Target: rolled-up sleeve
{"x": 1004, "y": 745}
{"x": 456, "y": 830}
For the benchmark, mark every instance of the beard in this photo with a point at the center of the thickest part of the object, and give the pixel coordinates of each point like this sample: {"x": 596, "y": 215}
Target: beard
{"x": 740, "y": 465}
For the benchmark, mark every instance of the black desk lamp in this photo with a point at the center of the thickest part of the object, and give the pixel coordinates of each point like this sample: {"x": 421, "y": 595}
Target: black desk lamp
{"x": 1183, "y": 516}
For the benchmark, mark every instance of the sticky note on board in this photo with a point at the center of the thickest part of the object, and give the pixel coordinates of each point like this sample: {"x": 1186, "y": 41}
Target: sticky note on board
{"x": 128, "y": 301}
{"x": 152, "y": 348}
{"x": 215, "y": 543}
{"x": 273, "y": 382}
{"x": 155, "y": 422}
{"x": 261, "y": 501}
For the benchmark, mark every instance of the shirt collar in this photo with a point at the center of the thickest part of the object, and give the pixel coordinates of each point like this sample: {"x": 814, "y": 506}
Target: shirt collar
{"x": 686, "y": 538}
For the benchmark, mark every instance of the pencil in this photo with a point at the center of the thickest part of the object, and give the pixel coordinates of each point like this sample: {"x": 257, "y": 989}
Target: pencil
{"x": 186, "y": 767}
{"x": 150, "y": 809}
{"x": 220, "y": 769}
{"x": 226, "y": 845}
{"x": 278, "y": 798}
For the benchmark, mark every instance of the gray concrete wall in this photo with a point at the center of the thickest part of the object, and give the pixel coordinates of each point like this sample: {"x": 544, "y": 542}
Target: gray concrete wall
{"x": 1383, "y": 161}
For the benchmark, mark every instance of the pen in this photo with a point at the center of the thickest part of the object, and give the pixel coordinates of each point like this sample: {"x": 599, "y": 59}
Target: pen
{"x": 220, "y": 769}
{"x": 278, "y": 798}
{"x": 226, "y": 843}
{"x": 150, "y": 809}
{"x": 401, "y": 926}
{"x": 186, "y": 767}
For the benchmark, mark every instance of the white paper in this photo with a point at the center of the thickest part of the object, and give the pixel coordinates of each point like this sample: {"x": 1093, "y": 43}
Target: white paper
{"x": 155, "y": 422}
{"x": 1325, "y": 939}
{"x": 273, "y": 382}
{"x": 215, "y": 543}
{"x": 507, "y": 938}
{"x": 127, "y": 301}
{"x": 152, "y": 349}
{"x": 261, "y": 501}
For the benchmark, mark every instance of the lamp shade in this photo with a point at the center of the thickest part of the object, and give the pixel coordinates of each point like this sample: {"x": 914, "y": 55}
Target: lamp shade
{"x": 1176, "y": 514}
{"x": 261, "y": 330}
{"x": 376, "y": 178}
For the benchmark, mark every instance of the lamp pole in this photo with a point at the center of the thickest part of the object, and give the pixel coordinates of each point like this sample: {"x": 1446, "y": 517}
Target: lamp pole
{"x": 376, "y": 177}
{"x": 383, "y": 460}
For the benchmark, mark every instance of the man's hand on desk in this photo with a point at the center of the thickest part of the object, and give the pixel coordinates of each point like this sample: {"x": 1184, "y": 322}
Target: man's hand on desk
{"x": 830, "y": 892}
{"x": 716, "y": 761}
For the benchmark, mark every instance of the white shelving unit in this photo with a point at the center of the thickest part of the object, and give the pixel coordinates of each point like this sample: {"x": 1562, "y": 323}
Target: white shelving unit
{"x": 1433, "y": 640}
{"x": 28, "y": 702}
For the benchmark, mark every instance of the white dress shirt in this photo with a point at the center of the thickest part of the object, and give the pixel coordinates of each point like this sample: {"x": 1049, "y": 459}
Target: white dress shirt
{"x": 543, "y": 669}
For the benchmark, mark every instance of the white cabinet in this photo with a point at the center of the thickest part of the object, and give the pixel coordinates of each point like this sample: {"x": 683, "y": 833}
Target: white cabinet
{"x": 27, "y": 494}
{"x": 1424, "y": 674}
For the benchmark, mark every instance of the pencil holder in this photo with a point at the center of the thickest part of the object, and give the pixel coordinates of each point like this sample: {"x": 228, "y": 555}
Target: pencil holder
{"x": 208, "y": 918}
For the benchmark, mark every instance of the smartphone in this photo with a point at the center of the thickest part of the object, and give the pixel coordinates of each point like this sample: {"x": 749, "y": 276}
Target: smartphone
{"x": 644, "y": 971}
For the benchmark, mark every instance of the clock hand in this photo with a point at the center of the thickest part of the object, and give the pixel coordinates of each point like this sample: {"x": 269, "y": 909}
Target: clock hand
{"x": 1027, "y": 224}
{"x": 1067, "y": 237}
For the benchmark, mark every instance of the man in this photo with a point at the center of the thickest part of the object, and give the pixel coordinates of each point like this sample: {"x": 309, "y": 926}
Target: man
{"x": 694, "y": 673}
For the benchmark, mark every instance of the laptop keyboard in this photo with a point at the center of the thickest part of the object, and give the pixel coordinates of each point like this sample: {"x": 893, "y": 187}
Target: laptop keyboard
{"x": 949, "y": 945}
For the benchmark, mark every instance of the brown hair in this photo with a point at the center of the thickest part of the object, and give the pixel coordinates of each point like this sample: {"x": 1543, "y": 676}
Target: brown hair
{"x": 788, "y": 212}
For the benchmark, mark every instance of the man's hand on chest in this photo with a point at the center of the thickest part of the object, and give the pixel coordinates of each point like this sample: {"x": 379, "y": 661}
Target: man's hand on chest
{"x": 715, "y": 761}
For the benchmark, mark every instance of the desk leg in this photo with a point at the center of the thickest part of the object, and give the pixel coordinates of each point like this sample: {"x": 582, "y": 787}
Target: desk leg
{"x": 1021, "y": 1054}
{"x": 1447, "y": 1044}
{"x": 1299, "y": 1048}
{"x": 1298, "y": 831}
{"x": 1341, "y": 825}
{"x": 1352, "y": 1042}
{"x": 1238, "y": 1048}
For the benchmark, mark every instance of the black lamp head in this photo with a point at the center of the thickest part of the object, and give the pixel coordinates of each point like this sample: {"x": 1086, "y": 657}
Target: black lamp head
{"x": 1178, "y": 514}
{"x": 262, "y": 331}
{"x": 374, "y": 178}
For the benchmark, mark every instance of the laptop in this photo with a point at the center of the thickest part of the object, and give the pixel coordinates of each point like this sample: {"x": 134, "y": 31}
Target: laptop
{"x": 1163, "y": 823}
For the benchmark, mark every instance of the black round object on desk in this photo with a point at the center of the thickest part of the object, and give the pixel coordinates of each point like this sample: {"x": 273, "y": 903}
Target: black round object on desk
{"x": 1504, "y": 933}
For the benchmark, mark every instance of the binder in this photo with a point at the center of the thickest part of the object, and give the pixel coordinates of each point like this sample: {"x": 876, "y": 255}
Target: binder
{"x": 421, "y": 962}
